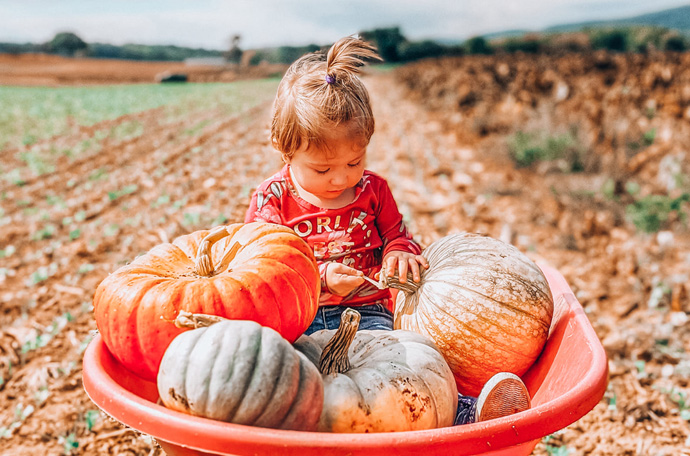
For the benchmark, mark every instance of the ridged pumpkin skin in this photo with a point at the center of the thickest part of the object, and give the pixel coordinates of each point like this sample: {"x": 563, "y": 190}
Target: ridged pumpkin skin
{"x": 485, "y": 304}
{"x": 397, "y": 381}
{"x": 242, "y": 373}
{"x": 267, "y": 274}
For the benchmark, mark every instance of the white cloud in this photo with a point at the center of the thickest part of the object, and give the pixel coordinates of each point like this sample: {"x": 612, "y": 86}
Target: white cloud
{"x": 263, "y": 23}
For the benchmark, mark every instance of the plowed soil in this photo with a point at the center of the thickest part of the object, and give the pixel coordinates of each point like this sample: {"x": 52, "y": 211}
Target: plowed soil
{"x": 53, "y": 70}
{"x": 442, "y": 138}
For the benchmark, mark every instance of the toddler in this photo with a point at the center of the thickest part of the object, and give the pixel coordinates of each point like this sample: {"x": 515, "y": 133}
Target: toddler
{"x": 322, "y": 124}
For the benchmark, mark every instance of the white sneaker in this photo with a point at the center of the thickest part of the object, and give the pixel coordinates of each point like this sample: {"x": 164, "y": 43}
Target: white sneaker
{"x": 502, "y": 395}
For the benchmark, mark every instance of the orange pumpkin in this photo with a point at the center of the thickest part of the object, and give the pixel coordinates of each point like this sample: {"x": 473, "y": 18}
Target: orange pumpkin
{"x": 485, "y": 304}
{"x": 263, "y": 272}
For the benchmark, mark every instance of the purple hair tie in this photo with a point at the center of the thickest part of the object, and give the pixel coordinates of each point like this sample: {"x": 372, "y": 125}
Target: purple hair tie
{"x": 330, "y": 79}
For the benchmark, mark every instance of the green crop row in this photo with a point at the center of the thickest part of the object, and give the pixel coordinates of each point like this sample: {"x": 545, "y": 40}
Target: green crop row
{"x": 30, "y": 114}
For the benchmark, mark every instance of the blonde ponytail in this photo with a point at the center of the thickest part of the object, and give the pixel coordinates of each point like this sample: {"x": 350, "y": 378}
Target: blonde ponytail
{"x": 347, "y": 56}
{"x": 320, "y": 91}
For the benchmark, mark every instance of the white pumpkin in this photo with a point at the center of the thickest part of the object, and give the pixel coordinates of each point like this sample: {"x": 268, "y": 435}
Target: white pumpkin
{"x": 380, "y": 381}
{"x": 485, "y": 304}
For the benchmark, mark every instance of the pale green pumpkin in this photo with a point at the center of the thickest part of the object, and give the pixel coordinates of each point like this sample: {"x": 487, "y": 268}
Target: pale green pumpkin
{"x": 380, "y": 381}
{"x": 241, "y": 372}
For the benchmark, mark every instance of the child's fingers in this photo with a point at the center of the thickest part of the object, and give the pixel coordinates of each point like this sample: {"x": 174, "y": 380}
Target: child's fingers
{"x": 414, "y": 268}
{"x": 402, "y": 271}
{"x": 391, "y": 266}
{"x": 341, "y": 269}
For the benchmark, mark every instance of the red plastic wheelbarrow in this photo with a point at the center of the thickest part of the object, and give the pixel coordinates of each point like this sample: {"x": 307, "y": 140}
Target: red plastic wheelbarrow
{"x": 566, "y": 382}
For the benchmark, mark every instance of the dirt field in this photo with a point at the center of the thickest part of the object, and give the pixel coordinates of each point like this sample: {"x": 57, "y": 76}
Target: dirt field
{"x": 442, "y": 136}
{"x": 52, "y": 71}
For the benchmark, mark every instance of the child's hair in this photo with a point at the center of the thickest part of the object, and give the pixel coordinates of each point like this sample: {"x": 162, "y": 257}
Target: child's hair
{"x": 319, "y": 91}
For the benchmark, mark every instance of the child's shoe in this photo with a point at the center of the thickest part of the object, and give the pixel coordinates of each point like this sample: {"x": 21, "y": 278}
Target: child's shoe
{"x": 502, "y": 395}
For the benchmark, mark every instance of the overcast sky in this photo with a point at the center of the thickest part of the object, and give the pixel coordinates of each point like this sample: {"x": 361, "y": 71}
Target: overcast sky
{"x": 264, "y": 23}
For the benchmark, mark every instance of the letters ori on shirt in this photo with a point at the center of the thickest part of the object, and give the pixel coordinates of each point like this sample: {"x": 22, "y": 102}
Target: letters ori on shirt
{"x": 320, "y": 224}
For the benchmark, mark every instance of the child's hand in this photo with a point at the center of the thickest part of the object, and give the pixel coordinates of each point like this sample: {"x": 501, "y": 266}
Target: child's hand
{"x": 402, "y": 262}
{"x": 342, "y": 279}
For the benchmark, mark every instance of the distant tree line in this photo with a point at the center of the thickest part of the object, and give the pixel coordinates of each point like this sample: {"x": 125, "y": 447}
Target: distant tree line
{"x": 69, "y": 44}
{"x": 393, "y": 46}
{"x": 615, "y": 39}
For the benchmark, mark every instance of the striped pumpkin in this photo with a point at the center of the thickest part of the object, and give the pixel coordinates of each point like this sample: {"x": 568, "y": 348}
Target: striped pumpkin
{"x": 485, "y": 304}
{"x": 241, "y": 372}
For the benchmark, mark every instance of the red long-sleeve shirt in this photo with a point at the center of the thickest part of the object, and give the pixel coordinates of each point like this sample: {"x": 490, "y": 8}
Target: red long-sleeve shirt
{"x": 357, "y": 235}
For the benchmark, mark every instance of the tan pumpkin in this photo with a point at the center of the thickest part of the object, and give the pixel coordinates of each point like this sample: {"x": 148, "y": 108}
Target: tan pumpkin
{"x": 240, "y": 372}
{"x": 485, "y": 304}
{"x": 255, "y": 271}
{"x": 380, "y": 381}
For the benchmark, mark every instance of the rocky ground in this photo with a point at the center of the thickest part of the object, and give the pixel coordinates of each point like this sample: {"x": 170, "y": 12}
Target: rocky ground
{"x": 445, "y": 132}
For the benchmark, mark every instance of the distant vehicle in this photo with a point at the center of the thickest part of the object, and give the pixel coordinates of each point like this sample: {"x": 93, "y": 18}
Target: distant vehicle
{"x": 167, "y": 76}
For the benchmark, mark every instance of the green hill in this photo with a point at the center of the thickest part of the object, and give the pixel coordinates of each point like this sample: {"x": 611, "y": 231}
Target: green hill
{"x": 675, "y": 18}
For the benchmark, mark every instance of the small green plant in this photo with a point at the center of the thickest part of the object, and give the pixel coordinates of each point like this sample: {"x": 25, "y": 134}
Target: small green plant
{"x": 133, "y": 221}
{"x": 524, "y": 151}
{"x": 14, "y": 177}
{"x": 193, "y": 131}
{"x": 680, "y": 398}
{"x": 8, "y": 251}
{"x": 219, "y": 220}
{"x": 69, "y": 443}
{"x": 91, "y": 417}
{"x": 65, "y": 370}
{"x": 47, "y": 232}
{"x": 649, "y": 137}
{"x": 28, "y": 140}
{"x": 660, "y": 296}
{"x": 74, "y": 234}
{"x": 56, "y": 201}
{"x": 128, "y": 129}
{"x": 179, "y": 204}
{"x": 41, "y": 395}
{"x": 40, "y": 275}
{"x": 21, "y": 413}
{"x": 84, "y": 344}
{"x": 529, "y": 148}
{"x": 36, "y": 164}
{"x": 99, "y": 174}
{"x": 653, "y": 212}
{"x": 191, "y": 219}
{"x": 554, "y": 450}
{"x": 85, "y": 268}
{"x": 112, "y": 196}
{"x": 80, "y": 216}
{"x": 9, "y": 375}
{"x": 41, "y": 339}
{"x": 613, "y": 403}
{"x": 111, "y": 230}
{"x": 161, "y": 201}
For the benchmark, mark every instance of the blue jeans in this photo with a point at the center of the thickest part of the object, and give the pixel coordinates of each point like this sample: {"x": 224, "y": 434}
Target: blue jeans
{"x": 377, "y": 316}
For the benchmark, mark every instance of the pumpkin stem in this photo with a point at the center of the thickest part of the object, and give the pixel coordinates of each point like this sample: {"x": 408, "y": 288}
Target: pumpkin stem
{"x": 334, "y": 359}
{"x": 203, "y": 264}
{"x": 409, "y": 287}
{"x": 195, "y": 320}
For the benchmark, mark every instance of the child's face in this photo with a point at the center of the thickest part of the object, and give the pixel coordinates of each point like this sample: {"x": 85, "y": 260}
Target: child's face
{"x": 330, "y": 174}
